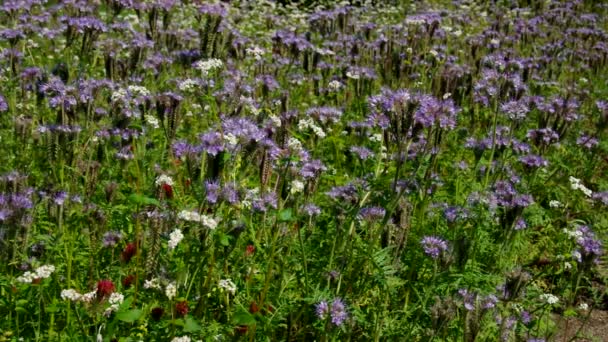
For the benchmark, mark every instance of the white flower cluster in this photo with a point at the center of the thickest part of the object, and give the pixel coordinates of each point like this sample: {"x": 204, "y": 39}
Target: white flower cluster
{"x": 576, "y": 184}
{"x": 174, "y": 238}
{"x": 255, "y": 51}
{"x": 575, "y": 234}
{"x": 115, "y": 300}
{"x": 555, "y": 204}
{"x": 549, "y": 298}
{"x": 352, "y": 75}
{"x": 227, "y": 285}
{"x": 583, "y": 306}
{"x": 137, "y": 91}
{"x": 187, "y": 85}
{"x": 181, "y": 339}
{"x": 231, "y": 140}
{"x": 193, "y": 216}
{"x": 171, "y": 291}
{"x": 75, "y": 296}
{"x": 206, "y": 66}
{"x": 164, "y": 179}
{"x": 307, "y": 123}
{"x": 153, "y": 283}
{"x": 41, "y": 272}
{"x": 296, "y": 187}
{"x": 152, "y": 121}
{"x": 119, "y": 95}
{"x": 334, "y": 85}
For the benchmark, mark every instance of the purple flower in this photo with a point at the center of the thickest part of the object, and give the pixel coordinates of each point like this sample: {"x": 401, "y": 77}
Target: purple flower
{"x": 371, "y": 214}
{"x": 434, "y": 246}
{"x": 532, "y": 161}
{"x": 3, "y": 104}
{"x": 322, "y": 309}
{"x": 587, "y": 142}
{"x": 311, "y": 209}
{"x": 312, "y": 169}
{"x": 362, "y": 152}
{"x": 111, "y": 238}
{"x": 212, "y": 188}
{"x": 338, "y": 312}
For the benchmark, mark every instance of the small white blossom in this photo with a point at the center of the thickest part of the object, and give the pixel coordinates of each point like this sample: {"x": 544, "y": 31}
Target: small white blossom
{"x": 334, "y": 85}
{"x": 555, "y": 204}
{"x": 255, "y": 51}
{"x": 88, "y": 297}
{"x": 152, "y": 121}
{"x": 116, "y": 298}
{"x": 567, "y": 265}
{"x": 139, "y": 91}
{"x": 174, "y": 238}
{"x": 583, "y": 306}
{"x": 209, "y": 222}
{"x": 231, "y": 139}
{"x": 227, "y": 285}
{"x": 171, "y": 291}
{"x": 297, "y": 187}
{"x": 187, "y": 85}
{"x": 206, "y": 66}
{"x": 41, "y": 272}
{"x": 181, "y": 339}
{"x": 164, "y": 179}
{"x": 549, "y": 298}
{"x": 70, "y": 294}
{"x": 153, "y": 283}
{"x": 191, "y": 216}
{"x": 353, "y": 76}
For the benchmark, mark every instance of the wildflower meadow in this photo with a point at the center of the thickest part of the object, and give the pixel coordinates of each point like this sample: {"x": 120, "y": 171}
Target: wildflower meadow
{"x": 262, "y": 170}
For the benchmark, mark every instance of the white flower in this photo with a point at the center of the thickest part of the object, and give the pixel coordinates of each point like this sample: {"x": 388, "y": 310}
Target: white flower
{"x": 171, "y": 291}
{"x": 191, "y": 216}
{"x": 152, "y": 121}
{"x": 209, "y": 222}
{"x": 88, "y": 297}
{"x": 255, "y": 51}
{"x": 116, "y": 298}
{"x": 353, "y": 75}
{"x": 139, "y": 90}
{"x": 567, "y": 265}
{"x": 119, "y": 95}
{"x": 206, "y": 66}
{"x": 174, "y": 238}
{"x": 227, "y": 285}
{"x": 377, "y": 137}
{"x": 164, "y": 179}
{"x": 41, "y": 272}
{"x": 583, "y": 306}
{"x": 231, "y": 139}
{"x": 297, "y": 186}
{"x": 70, "y": 294}
{"x": 555, "y": 204}
{"x": 334, "y": 85}
{"x": 294, "y": 144}
{"x": 153, "y": 283}
{"x": 549, "y": 298}
{"x": 187, "y": 85}
{"x": 276, "y": 121}
{"x": 181, "y": 339}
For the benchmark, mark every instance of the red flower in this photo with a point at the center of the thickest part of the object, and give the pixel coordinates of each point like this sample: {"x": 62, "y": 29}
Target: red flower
{"x": 253, "y": 307}
{"x": 105, "y": 288}
{"x": 128, "y": 281}
{"x": 181, "y": 308}
{"x": 168, "y": 190}
{"x": 129, "y": 251}
{"x": 250, "y": 250}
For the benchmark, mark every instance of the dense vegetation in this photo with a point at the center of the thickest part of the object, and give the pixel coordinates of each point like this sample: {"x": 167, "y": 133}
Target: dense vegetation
{"x": 183, "y": 171}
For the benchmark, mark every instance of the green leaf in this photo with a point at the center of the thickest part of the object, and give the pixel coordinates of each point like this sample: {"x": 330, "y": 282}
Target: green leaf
{"x": 243, "y": 317}
{"x": 225, "y": 240}
{"x": 143, "y": 200}
{"x": 191, "y": 325}
{"x": 285, "y": 215}
{"x": 129, "y": 316}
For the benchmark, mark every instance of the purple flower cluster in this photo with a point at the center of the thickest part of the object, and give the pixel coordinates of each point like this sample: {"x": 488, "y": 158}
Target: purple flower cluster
{"x": 336, "y": 311}
{"x": 434, "y": 246}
